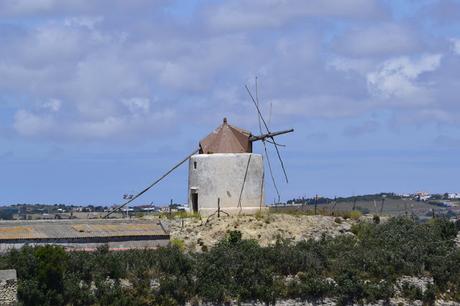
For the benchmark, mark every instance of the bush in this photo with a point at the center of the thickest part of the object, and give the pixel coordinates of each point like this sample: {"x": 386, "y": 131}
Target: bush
{"x": 310, "y": 286}
{"x": 360, "y": 268}
{"x": 355, "y": 214}
{"x": 187, "y": 215}
{"x": 429, "y": 296}
{"x": 378, "y": 290}
{"x": 179, "y": 243}
{"x": 40, "y": 274}
{"x": 350, "y": 288}
{"x": 259, "y": 215}
{"x": 411, "y": 292}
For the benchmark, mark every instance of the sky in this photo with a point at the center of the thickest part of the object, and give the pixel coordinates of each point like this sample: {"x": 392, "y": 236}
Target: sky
{"x": 99, "y": 98}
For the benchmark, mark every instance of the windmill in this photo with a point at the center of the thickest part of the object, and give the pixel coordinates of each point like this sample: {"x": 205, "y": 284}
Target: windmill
{"x": 223, "y": 170}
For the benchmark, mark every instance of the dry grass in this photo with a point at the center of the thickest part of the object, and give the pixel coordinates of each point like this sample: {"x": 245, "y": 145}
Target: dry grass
{"x": 181, "y": 215}
{"x": 303, "y": 211}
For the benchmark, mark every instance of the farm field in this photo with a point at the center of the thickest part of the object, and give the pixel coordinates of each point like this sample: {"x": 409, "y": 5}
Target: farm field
{"x": 390, "y": 207}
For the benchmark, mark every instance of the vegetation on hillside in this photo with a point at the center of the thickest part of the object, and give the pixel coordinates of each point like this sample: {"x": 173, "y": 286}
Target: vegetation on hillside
{"x": 326, "y": 200}
{"x": 360, "y": 268}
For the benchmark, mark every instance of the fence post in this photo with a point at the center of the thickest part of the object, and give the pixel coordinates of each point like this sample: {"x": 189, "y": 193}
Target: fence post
{"x": 218, "y": 207}
{"x": 316, "y": 202}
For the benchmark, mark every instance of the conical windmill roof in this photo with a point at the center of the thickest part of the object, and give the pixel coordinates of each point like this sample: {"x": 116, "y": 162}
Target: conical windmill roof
{"x": 226, "y": 139}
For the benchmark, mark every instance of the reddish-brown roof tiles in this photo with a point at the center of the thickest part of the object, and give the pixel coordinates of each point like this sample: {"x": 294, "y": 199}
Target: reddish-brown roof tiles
{"x": 226, "y": 139}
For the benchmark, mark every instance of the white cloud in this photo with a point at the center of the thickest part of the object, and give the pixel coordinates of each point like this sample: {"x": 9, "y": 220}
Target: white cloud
{"x": 198, "y": 64}
{"x": 126, "y": 125}
{"x": 359, "y": 65}
{"x": 26, "y": 6}
{"x": 138, "y": 105}
{"x": 47, "y": 125}
{"x": 83, "y": 21}
{"x": 422, "y": 116}
{"x": 376, "y": 40}
{"x": 248, "y": 14}
{"x": 319, "y": 106}
{"x": 437, "y": 115}
{"x": 29, "y": 124}
{"x": 53, "y": 105}
{"x": 397, "y": 77}
{"x": 100, "y": 129}
{"x": 104, "y": 68}
{"x": 46, "y": 8}
{"x": 456, "y": 45}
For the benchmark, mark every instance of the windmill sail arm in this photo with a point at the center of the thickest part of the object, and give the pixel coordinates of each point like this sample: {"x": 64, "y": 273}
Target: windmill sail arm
{"x": 133, "y": 197}
{"x": 269, "y": 135}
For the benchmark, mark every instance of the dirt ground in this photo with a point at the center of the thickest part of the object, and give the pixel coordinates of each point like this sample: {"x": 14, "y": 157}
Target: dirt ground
{"x": 198, "y": 235}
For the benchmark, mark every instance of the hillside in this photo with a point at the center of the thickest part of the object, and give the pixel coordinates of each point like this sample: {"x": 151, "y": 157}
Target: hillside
{"x": 200, "y": 234}
{"x": 396, "y": 262}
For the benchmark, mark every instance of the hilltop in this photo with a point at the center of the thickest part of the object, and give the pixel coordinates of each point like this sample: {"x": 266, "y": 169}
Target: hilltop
{"x": 199, "y": 234}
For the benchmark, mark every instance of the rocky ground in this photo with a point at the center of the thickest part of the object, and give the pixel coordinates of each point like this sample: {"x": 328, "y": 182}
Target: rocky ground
{"x": 198, "y": 234}
{"x": 332, "y": 302}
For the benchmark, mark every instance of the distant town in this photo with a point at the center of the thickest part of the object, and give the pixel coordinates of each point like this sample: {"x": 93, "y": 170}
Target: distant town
{"x": 421, "y": 204}
{"x": 27, "y": 211}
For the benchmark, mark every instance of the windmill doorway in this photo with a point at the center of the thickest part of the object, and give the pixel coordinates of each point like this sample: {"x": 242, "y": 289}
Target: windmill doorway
{"x": 195, "y": 202}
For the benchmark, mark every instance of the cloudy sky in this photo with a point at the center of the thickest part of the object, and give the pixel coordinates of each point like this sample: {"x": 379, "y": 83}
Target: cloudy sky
{"x": 98, "y": 98}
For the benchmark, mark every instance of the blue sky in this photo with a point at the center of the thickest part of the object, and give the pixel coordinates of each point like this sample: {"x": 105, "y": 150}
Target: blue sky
{"x": 98, "y": 98}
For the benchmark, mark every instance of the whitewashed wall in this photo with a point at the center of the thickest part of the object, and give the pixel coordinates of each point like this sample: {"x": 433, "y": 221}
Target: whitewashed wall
{"x": 221, "y": 176}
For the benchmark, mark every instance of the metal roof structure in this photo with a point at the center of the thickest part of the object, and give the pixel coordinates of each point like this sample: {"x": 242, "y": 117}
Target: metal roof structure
{"x": 76, "y": 228}
{"x": 226, "y": 139}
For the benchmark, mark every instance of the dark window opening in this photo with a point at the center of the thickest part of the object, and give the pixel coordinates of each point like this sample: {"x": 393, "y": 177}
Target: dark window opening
{"x": 194, "y": 165}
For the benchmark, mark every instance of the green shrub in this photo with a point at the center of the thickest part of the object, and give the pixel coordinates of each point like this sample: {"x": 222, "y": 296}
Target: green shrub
{"x": 310, "y": 286}
{"x": 234, "y": 237}
{"x": 378, "y": 290}
{"x": 259, "y": 215}
{"x": 429, "y": 296}
{"x": 40, "y": 274}
{"x": 179, "y": 243}
{"x": 355, "y": 214}
{"x": 350, "y": 288}
{"x": 411, "y": 292}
